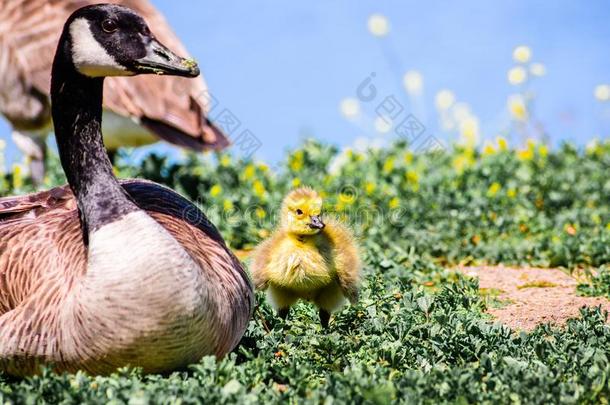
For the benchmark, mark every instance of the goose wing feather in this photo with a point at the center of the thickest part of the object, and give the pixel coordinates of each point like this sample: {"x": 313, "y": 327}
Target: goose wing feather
{"x": 174, "y": 108}
{"x": 32, "y": 205}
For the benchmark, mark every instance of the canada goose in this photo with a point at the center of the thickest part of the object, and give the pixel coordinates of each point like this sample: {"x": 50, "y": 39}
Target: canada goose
{"x": 143, "y": 279}
{"x": 136, "y": 111}
{"x": 307, "y": 258}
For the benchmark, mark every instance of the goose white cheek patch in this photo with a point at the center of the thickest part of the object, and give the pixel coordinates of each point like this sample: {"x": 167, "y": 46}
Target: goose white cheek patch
{"x": 88, "y": 55}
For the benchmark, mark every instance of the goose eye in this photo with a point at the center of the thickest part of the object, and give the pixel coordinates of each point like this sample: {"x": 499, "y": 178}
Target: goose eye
{"x": 299, "y": 211}
{"x": 109, "y": 26}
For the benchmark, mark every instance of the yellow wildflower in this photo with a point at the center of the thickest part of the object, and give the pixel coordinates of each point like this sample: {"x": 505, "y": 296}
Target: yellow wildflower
{"x": 216, "y": 190}
{"x": 383, "y": 125}
{"x": 517, "y": 75}
{"x": 296, "y": 165}
{"x": 413, "y": 82}
{"x": 537, "y": 69}
{"x": 388, "y": 166}
{"x": 409, "y": 157}
{"x": 459, "y": 163}
{"x": 350, "y": 108}
{"x": 413, "y": 179}
{"x": 469, "y": 132}
{"x": 227, "y": 205}
{"x": 602, "y": 92}
{"x": 394, "y": 203}
{"x": 502, "y": 143}
{"x": 522, "y": 54}
{"x": 525, "y": 154}
{"x": 493, "y": 189}
{"x": 17, "y": 176}
{"x": 260, "y": 213}
{"x": 511, "y": 192}
{"x": 488, "y": 149}
{"x": 608, "y": 226}
{"x": 259, "y": 188}
{"x": 543, "y": 150}
{"x": 594, "y": 147}
{"x": 378, "y": 25}
{"x": 263, "y": 167}
{"x": 348, "y": 199}
{"x": 463, "y": 161}
{"x": 369, "y": 188}
{"x": 198, "y": 171}
{"x": 249, "y": 172}
{"x": 296, "y": 161}
{"x": 444, "y": 99}
{"x": 517, "y": 107}
{"x": 296, "y": 182}
{"x": 225, "y": 161}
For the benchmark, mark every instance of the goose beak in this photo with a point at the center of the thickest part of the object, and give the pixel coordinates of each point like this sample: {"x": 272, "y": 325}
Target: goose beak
{"x": 160, "y": 60}
{"x": 316, "y": 222}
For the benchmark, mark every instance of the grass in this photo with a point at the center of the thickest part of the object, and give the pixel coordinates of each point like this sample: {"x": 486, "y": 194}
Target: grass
{"x": 419, "y": 333}
{"x": 537, "y": 284}
{"x": 491, "y": 298}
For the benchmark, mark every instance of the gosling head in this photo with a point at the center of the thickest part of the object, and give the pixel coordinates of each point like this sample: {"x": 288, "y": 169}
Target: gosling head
{"x": 302, "y": 212}
{"x": 111, "y": 40}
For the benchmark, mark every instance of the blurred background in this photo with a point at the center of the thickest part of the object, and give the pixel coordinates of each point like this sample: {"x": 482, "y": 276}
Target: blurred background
{"x": 468, "y": 71}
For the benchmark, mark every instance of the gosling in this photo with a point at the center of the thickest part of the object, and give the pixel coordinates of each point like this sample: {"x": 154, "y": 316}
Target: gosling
{"x": 308, "y": 258}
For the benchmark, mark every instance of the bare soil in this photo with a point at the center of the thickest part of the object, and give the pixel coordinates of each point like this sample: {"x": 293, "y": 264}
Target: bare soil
{"x": 531, "y": 296}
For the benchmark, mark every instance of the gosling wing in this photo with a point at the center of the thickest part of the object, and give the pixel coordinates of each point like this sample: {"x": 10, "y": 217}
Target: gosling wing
{"x": 347, "y": 258}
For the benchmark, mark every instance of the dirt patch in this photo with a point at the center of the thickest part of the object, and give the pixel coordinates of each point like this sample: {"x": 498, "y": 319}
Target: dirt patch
{"x": 527, "y": 297}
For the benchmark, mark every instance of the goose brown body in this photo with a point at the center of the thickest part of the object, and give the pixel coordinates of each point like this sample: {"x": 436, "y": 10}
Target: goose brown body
{"x": 43, "y": 264}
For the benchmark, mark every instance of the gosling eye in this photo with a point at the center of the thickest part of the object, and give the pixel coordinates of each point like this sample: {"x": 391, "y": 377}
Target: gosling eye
{"x": 109, "y": 26}
{"x": 299, "y": 211}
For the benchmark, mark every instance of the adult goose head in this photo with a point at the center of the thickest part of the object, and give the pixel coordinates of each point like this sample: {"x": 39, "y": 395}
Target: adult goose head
{"x": 136, "y": 111}
{"x": 100, "y": 41}
{"x": 106, "y": 274}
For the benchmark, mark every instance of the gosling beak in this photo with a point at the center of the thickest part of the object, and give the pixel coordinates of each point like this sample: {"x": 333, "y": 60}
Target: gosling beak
{"x": 316, "y": 222}
{"x": 160, "y": 60}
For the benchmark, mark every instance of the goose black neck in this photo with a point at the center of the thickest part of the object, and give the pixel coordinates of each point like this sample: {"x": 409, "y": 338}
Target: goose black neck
{"x": 77, "y": 117}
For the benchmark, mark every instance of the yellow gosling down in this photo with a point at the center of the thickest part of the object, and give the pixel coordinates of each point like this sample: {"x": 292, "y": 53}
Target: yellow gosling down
{"x": 308, "y": 258}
